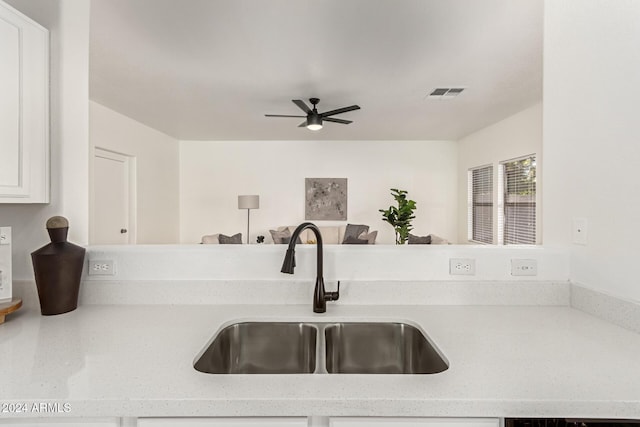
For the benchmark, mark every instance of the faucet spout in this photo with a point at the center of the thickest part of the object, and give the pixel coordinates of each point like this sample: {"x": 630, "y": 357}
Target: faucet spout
{"x": 289, "y": 263}
{"x": 320, "y": 295}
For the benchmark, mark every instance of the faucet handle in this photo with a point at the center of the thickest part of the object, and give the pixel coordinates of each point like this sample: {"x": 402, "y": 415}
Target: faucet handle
{"x": 333, "y": 296}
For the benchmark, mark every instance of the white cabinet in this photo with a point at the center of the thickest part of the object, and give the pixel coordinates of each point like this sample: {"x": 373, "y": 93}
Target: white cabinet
{"x": 223, "y": 422}
{"x": 24, "y": 109}
{"x": 331, "y": 422}
{"x": 258, "y": 422}
{"x": 412, "y": 422}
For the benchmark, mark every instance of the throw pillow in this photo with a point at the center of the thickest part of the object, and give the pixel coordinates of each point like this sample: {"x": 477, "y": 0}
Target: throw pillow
{"x": 355, "y": 241}
{"x": 210, "y": 239}
{"x": 282, "y": 236}
{"x": 437, "y": 240}
{"x": 419, "y": 240}
{"x": 354, "y": 230}
{"x": 278, "y": 235}
{"x": 235, "y": 239}
{"x": 369, "y": 237}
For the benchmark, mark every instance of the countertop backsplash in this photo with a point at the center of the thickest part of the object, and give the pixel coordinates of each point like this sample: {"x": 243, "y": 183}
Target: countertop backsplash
{"x": 341, "y": 262}
{"x": 380, "y": 275}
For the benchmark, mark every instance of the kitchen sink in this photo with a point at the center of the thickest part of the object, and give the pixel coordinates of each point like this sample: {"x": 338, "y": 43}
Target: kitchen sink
{"x": 321, "y": 347}
{"x": 261, "y": 348}
{"x": 380, "y": 348}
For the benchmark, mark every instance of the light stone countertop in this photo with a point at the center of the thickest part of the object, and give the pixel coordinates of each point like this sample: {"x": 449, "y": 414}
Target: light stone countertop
{"x": 136, "y": 360}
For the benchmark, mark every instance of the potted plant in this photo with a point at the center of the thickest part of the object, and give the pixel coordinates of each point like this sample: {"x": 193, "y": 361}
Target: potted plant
{"x": 400, "y": 217}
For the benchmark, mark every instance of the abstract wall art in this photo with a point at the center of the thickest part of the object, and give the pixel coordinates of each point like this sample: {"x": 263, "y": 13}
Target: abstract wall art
{"x": 326, "y": 199}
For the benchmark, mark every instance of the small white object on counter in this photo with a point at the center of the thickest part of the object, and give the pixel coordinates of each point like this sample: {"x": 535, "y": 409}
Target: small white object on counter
{"x": 5, "y": 263}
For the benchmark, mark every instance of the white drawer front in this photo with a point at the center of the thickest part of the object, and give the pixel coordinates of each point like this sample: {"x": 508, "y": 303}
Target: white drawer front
{"x": 222, "y": 422}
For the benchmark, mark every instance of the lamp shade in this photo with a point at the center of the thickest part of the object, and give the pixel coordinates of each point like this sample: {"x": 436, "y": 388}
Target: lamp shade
{"x": 249, "y": 202}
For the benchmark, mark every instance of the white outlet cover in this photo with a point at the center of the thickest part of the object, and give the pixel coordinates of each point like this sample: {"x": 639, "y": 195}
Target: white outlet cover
{"x": 580, "y": 231}
{"x": 524, "y": 267}
{"x": 101, "y": 267}
{"x": 462, "y": 266}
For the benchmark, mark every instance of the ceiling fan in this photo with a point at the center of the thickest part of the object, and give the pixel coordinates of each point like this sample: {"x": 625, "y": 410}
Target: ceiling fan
{"x": 313, "y": 118}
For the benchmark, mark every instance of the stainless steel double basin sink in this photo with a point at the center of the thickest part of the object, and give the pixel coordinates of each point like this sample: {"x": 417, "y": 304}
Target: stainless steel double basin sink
{"x": 321, "y": 348}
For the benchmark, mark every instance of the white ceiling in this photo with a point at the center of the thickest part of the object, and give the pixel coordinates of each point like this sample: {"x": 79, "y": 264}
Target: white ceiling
{"x": 211, "y": 69}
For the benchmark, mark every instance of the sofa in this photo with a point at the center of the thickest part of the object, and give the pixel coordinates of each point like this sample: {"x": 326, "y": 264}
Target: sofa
{"x": 331, "y": 235}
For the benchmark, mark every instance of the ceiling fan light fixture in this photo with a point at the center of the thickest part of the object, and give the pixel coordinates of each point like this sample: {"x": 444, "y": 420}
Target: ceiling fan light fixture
{"x": 314, "y": 122}
{"x": 314, "y": 119}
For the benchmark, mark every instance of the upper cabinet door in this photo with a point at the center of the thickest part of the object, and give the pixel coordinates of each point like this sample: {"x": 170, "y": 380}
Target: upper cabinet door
{"x": 24, "y": 108}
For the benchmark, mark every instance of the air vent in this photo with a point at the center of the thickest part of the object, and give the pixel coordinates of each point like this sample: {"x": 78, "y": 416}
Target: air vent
{"x": 445, "y": 92}
{"x": 439, "y": 92}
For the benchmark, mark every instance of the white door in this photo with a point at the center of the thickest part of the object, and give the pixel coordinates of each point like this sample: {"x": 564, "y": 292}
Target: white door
{"x": 113, "y": 219}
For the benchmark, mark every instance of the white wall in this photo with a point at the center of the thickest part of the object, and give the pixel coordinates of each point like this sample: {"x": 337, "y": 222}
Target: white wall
{"x": 213, "y": 174}
{"x": 592, "y": 138}
{"x": 68, "y": 23}
{"x": 157, "y": 172}
{"x": 515, "y": 136}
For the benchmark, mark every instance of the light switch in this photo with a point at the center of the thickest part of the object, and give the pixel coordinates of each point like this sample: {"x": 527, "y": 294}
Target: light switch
{"x": 524, "y": 267}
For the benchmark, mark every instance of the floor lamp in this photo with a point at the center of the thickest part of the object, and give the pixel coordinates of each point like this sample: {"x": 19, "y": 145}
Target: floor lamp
{"x": 248, "y": 203}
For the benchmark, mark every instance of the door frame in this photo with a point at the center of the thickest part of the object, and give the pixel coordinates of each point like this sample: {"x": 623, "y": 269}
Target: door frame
{"x": 131, "y": 166}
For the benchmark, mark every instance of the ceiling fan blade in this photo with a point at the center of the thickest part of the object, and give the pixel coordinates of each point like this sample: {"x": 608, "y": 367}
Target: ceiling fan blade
{"x": 330, "y": 119}
{"x": 303, "y": 124}
{"x": 300, "y": 103}
{"x": 340, "y": 110}
{"x": 280, "y": 115}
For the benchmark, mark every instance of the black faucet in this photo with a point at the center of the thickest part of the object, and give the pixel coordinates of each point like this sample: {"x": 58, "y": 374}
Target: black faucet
{"x": 320, "y": 296}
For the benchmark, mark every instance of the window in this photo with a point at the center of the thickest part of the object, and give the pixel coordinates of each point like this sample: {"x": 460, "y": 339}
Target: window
{"x": 480, "y": 193}
{"x": 517, "y": 218}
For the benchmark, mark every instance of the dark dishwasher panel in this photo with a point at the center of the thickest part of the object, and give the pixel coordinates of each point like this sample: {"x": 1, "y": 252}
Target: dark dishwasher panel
{"x": 568, "y": 422}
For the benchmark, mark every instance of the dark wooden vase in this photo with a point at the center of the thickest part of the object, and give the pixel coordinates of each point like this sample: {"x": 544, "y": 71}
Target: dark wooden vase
{"x": 58, "y": 272}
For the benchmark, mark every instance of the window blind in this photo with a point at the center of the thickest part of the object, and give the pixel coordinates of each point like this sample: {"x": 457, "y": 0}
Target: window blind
{"x": 519, "y": 198}
{"x": 481, "y": 204}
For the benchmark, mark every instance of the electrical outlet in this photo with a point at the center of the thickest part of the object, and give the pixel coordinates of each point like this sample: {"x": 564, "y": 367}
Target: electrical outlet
{"x": 462, "y": 266}
{"x": 524, "y": 267}
{"x": 5, "y": 235}
{"x": 102, "y": 267}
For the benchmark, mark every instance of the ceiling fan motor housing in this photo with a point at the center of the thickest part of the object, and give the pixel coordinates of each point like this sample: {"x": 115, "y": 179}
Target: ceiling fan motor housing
{"x": 314, "y": 118}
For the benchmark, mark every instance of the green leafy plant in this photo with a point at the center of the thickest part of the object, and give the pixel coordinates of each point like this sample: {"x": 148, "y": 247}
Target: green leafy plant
{"x": 400, "y": 217}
